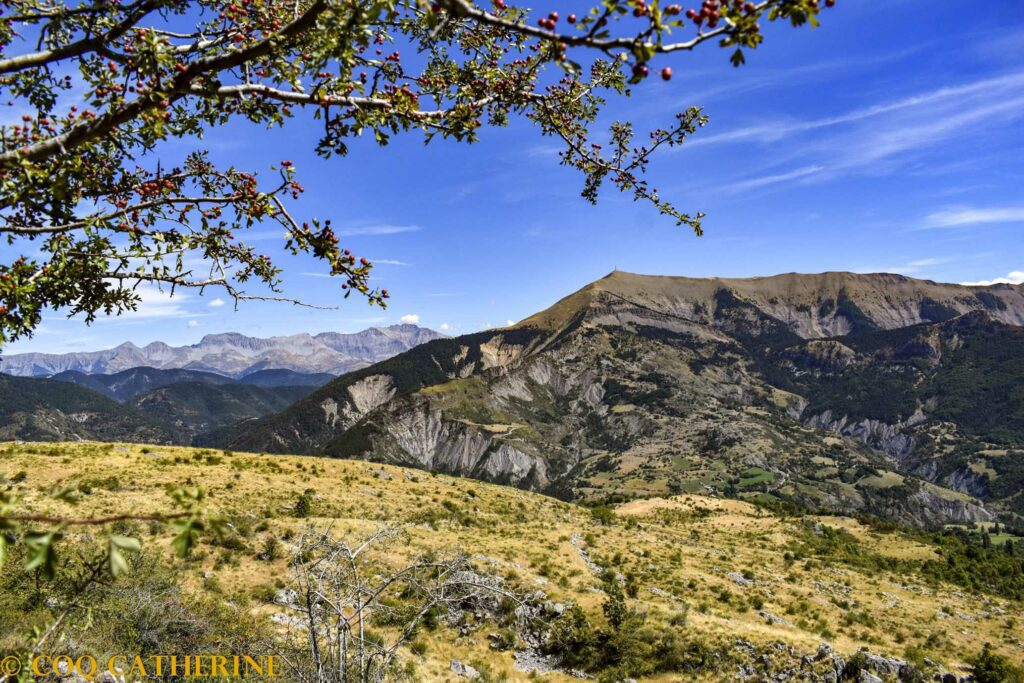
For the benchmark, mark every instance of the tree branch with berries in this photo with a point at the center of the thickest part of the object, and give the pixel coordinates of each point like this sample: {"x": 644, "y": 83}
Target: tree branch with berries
{"x": 88, "y": 213}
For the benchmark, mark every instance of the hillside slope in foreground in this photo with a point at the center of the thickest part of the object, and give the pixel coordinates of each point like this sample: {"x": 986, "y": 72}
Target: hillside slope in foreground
{"x": 733, "y": 581}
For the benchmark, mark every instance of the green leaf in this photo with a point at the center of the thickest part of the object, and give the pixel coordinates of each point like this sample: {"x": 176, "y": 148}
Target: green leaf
{"x": 737, "y": 58}
{"x": 118, "y": 565}
{"x": 186, "y": 538}
{"x": 42, "y": 554}
{"x": 66, "y": 494}
{"x": 126, "y": 543}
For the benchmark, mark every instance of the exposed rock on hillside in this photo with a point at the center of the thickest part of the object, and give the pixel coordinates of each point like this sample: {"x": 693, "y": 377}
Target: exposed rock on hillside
{"x": 835, "y": 391}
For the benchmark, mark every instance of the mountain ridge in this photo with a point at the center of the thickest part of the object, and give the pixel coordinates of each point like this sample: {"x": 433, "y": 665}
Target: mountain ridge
{"x": 644, "y": 385}
{"x": 1006, "y": 301}
{"x": 233, "y": 354}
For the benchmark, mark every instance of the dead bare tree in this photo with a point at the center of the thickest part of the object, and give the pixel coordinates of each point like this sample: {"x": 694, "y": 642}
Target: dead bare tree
{"x": 341, "y": 588}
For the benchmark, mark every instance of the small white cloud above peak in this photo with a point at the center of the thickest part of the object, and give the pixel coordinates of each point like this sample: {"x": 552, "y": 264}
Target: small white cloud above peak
{"x": 193, "y": 324}
{"x": 216, "y": 303}
{"x": 509, "y": 323}
{"x": 1015, "y": 277}
{"x": 445, "y": 327}
{"x": 410, "y": 319}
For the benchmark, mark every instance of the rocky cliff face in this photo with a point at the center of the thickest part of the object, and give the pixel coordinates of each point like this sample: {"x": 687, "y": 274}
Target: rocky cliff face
{"x": 233, "y": 354}
{"x": 833, "y": 391}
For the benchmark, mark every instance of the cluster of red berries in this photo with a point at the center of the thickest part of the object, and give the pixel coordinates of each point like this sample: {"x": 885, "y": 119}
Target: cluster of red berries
{"x": 154, "y": 187}
{"x": 640, "y": 70}
{"x": 549, "y": 21}
{"x": 641, "y": 10}
{"x": 708, "y": 12}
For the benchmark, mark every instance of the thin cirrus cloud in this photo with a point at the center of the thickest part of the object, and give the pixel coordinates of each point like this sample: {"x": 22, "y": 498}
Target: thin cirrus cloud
{"x": 773, "y": 132}
{"x": 913, "y": 267}
{"x": 954, "y": 218}
{"x": 154, "y": 303}
{"x": 381, "y": 229}
{"x": 388, "y": 262}
{"x": 876, "y": 138}
{"x": 762, "y": 181}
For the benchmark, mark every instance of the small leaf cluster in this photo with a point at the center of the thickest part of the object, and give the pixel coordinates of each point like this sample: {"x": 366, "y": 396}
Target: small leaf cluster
{"x": 40, "y": 535}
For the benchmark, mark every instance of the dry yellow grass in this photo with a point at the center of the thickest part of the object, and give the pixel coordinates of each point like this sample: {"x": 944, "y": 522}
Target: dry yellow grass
{"x": 685, "y": 551}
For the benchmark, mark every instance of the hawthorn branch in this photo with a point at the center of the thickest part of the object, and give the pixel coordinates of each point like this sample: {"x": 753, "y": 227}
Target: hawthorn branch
{"x": 464, "y": 9}
{"x": 95, "y": 129}
{"x": 295, "y": 97}
{"x": 222, "y": 282}
{"x": 79, "y": 47}
{"x": 98, "y": 218}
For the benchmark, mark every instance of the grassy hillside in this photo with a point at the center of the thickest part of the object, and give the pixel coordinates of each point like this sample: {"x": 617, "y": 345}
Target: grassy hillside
{"x": 711, "y": 585}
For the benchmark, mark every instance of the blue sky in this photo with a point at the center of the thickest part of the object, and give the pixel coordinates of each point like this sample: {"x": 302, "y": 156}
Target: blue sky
{"x": 887, "y": 140}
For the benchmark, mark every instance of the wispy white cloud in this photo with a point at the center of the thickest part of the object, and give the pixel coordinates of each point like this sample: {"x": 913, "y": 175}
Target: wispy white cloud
{"x": 382, "y": 229}
{"x": 783, "y": 77}
{"x": 880, "y": 137}
{"x": 216, "y": 303}
{"x": 1015, "y": 277}
{"x": 154, "y": 303}
{"x": 777, "y": 130}
{"x": 762, "y": 181}
{"x": 388, "y": 262}
{"x": 445, "y": 327}
{"x": 192, "y": 324}
{"x": 410, "y": 319}
{"x": 912, "y": 267}
{"x": 951, "y": 218}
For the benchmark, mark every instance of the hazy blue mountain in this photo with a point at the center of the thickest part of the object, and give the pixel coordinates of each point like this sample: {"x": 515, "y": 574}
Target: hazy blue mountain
{"x": 233, "y": 355}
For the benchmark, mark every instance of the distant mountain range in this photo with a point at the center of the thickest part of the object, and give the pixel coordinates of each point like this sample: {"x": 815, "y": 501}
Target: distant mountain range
{"x": 875, "y": 394}
{"x": 233, "y": 355}
{"x": 222, "y": 380}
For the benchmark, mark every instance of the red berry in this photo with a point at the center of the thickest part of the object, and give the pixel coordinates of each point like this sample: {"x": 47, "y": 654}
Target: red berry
{"x": 666, "y": 74}
{"x": 571, "y": 18}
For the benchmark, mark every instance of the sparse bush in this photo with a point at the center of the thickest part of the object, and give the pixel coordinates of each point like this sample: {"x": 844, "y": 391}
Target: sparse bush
{"x": 303, "y": 506}
{"x": 991, "y": 667}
